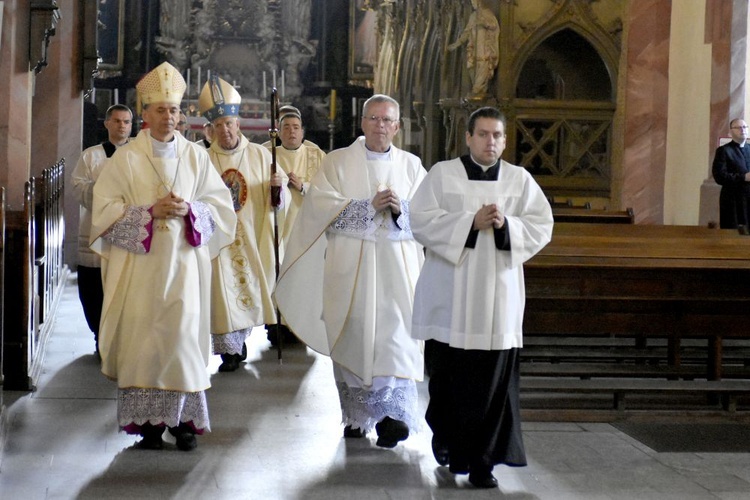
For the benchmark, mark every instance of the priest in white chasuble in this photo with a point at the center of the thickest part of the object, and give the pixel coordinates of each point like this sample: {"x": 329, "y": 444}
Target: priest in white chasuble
{"x": 160, "y": 214}
{"x": 300, "y": 160}
{"x": 480, "y": 218}
{"x": 347, "y": 280}
{"x": 245, "y": 272}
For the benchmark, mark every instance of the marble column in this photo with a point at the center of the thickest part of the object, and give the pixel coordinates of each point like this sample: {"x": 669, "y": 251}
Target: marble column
{"x": 726, "y": 31}
{"x": 645, "y": 121}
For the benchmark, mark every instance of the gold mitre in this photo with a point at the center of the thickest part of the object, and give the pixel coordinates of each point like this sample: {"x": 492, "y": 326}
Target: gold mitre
{"x": 219, "y": 98}
{"x": 162, "y": 84}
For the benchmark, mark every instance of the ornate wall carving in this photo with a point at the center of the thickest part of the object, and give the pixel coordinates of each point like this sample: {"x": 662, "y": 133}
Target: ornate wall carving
{"x": 241, "y": 40}
{"x": 434, "y": 84}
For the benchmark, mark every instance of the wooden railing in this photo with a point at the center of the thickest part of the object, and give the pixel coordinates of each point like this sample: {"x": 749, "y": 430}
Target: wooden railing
{"x": 34, "y": 276}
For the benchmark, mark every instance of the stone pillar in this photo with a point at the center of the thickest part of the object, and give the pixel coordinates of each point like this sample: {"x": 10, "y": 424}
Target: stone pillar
{"x": 15, "y": 94}
{"x": 57, "y": 112}
{"x": 646, "y": 93}
{"x": 726, "y": 31}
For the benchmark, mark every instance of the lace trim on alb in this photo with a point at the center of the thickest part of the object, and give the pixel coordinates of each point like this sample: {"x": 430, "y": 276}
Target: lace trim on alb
{"x": 362, "y": 408}
{"x": 159, "y": 406}
{"x": 357, "y": 220}
{"x": 204, "y": 222}
{"x": 402, "y": 229}
{"x": 129, "y": 231}
{"x": 230, "y": 343}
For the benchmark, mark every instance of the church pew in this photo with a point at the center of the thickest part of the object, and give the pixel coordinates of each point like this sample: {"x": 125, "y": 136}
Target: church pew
{"x": 727, "y": 390}
{"x": 592, "y": 216}
{"x": 555, "y": 203}
{"x": 657, "y": 287}
{"x": 50, "y": 236}
{"x": 20, "y": 293}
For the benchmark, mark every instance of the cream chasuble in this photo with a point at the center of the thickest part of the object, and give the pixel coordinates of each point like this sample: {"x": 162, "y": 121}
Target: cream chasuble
{"x": 155, "y": 317}
{"x": 474, "y": 298}
{"x": 347, "y": 281}
{"x": 304, "y": 162}
{"x": 244, "y": 275}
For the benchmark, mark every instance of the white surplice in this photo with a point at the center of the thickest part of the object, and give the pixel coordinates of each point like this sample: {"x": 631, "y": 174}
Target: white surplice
{"x": 473, "y": 298}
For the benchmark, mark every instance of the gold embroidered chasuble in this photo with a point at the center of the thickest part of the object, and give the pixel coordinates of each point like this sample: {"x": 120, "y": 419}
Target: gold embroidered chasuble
{"x": 155, "y": 316}
{"x": 244, "y": 274}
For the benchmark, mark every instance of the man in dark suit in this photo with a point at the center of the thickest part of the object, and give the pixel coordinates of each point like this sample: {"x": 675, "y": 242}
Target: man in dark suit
{"x": 731, "y": 169}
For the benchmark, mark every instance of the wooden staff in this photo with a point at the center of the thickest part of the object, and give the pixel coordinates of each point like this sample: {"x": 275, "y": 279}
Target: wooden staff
{"x": 273, "y": 132}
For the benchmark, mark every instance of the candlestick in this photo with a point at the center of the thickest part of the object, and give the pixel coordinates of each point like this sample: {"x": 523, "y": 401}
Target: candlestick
{"x": 332, "y": 105}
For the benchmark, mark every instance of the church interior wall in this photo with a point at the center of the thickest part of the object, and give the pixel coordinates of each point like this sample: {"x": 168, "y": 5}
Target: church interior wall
{"x": 689, "y": 113}
{"x": 662, "y": 75}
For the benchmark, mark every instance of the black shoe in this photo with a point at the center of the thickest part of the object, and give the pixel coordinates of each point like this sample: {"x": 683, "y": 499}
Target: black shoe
{"x": 185, "y": 437}
{"x": 284, "y": 331}
{"x": 187, "y": 442}
{"x": 243, "y": 356}
{"x": 390, "y": 432}
{"x": 353, "y": 433}
{"x": 230, "y": 362}
{"x": 482, "y": 479}
{"x": 151, "y": 437}
{"x": 440, "y": 451}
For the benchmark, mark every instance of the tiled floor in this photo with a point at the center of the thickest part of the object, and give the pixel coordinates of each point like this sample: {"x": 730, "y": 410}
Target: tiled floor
{"x": 276, "y": 435}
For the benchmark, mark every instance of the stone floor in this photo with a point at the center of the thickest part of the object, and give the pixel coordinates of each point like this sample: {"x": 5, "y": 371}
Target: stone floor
{"x": 276, "y": 435}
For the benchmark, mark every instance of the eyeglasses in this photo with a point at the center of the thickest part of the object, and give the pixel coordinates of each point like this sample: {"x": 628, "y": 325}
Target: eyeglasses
{"x": 387, "y": 120}
{"x": 741, "y": 127}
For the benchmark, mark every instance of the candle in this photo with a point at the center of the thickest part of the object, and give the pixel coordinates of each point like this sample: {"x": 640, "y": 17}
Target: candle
{"x": 208, "y": 76}
{"x": 264, "y": 85}
{"x": 282, "y": 84}
{"x": 332, "y": 105}
{"x": 199, "y": 79}
{"x": 274, "y": 78}
{"x": 117, "y": 96}
{"x": 188, "y": 83}
{"x": 354, "y": 107}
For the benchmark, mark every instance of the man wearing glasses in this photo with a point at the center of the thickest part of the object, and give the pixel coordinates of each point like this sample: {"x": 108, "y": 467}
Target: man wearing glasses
{"x": 347, "y": 282}
{"x": 731, "y": 170}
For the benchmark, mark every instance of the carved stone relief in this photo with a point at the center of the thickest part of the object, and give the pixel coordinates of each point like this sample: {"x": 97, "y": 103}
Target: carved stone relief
{"x": 251, "y": 43}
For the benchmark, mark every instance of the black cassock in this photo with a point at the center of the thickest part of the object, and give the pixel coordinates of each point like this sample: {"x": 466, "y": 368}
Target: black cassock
{"x": 474, "y": 407}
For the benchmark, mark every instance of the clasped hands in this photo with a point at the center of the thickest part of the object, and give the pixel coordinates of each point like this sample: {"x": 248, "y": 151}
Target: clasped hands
{"x": 294, "y": 182}
{"x": 387, "y": 199}
{"x": 488, "y": 216}
{"x": 169, "y": 207}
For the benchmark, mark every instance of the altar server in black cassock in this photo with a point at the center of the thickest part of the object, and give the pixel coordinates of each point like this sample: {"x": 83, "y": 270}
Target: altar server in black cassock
{"x": 479, "y": 218}
{"x": 731, "y": 169}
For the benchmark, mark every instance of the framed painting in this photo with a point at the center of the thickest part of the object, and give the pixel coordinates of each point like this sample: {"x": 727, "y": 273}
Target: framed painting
{"x": 110, "y": 34}
{"x": 362, "y": 41}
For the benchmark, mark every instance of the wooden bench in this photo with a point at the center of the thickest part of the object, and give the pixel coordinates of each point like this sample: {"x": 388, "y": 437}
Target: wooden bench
{"x": 34, "y": 277}
{"x": 20, "y": 285}
{"x": 632, "y": 308}
{"x": 592, "y": 216}
{"x": 554, "y": 203}
{"x": 727, "y": 390}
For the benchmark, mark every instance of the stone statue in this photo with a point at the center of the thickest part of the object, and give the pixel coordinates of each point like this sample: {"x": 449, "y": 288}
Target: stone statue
{"x": 481, "y": 36}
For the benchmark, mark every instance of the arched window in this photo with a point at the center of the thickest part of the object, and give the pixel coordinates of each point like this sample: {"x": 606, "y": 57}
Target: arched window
{"x": 565, "y": 106}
